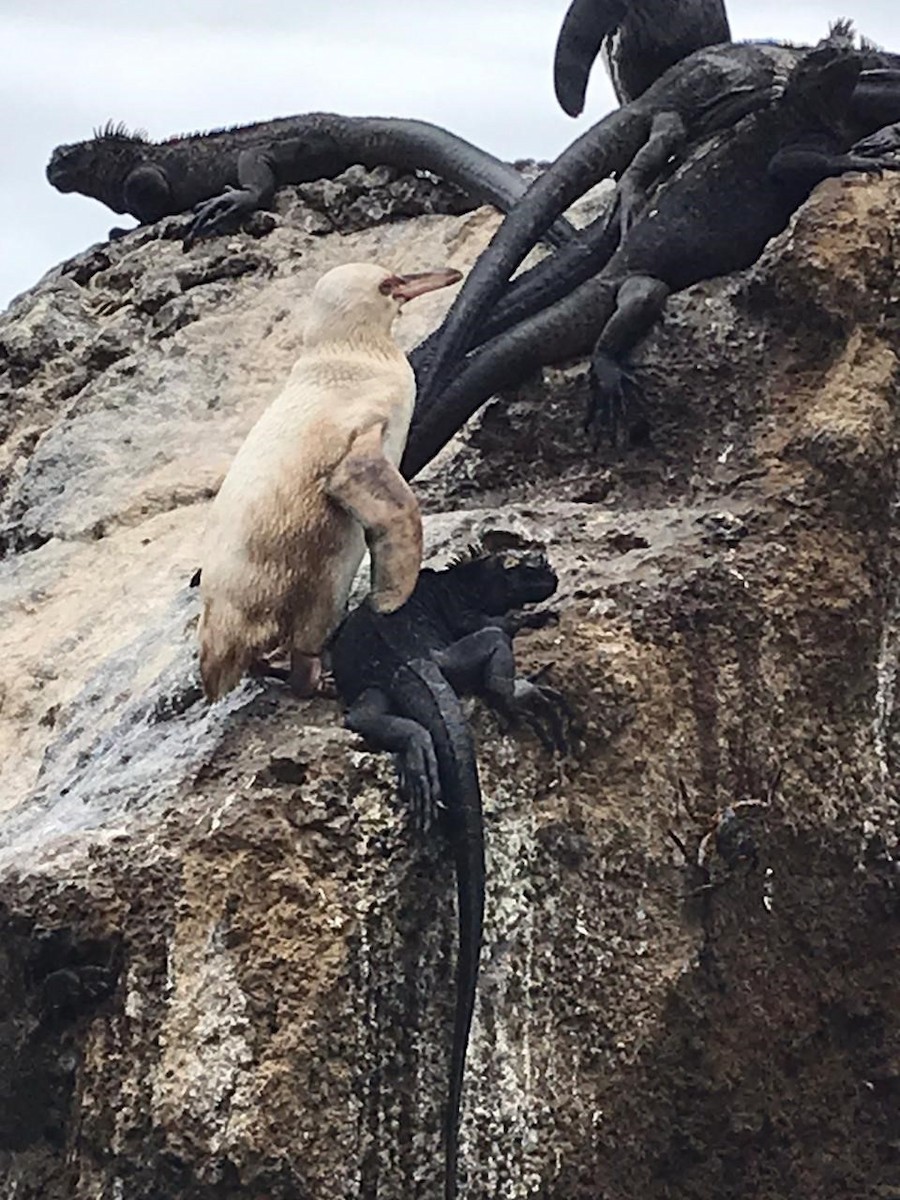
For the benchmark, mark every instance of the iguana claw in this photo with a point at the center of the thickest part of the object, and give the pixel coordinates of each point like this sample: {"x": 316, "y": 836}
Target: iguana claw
{"x": 624, "y": 212}
{"x": 514, "y": 623}
{"x": 419, "y": 783}
{"x": 222, "y": 214}
{"x": 884, "y": 141}
{"x": 613, "y": 391}
{"x": 545, "y": 710}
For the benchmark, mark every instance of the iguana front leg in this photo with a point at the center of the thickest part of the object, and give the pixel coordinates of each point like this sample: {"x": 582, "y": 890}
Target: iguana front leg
{"x": 417, "y": 769}
{"x": 147, "y": 193}
{"x": 802, "y": 167}
{"x": 514, "y": 622}
{"x": 483, "y": 663}
{"x": 257, "y": 185}
{"x": 883, "y": 141}
{"x": 372, "y": 490}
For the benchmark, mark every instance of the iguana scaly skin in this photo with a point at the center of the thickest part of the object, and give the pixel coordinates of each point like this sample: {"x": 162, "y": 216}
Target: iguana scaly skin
{"x": 709, "y": 91}
{"x": 230, "y": 173}
{"x": 399, "y": 674}
{"x": 758, "y": 145}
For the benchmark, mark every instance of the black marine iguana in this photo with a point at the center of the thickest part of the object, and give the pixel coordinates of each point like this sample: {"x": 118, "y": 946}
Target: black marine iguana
{"x": 399, "y": 673}
{"x": 712, "y": 216}
{"x": 709, "y": 91}
{"x": 227, "y": 174}
{"x": 640, "y": 39}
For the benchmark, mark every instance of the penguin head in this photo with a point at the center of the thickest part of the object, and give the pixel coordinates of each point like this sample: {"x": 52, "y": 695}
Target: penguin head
{"x": 359, "y": 299}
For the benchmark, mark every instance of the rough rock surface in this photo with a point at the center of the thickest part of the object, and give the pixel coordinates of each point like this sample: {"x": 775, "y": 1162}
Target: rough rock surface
{"x": 227, "y": 962}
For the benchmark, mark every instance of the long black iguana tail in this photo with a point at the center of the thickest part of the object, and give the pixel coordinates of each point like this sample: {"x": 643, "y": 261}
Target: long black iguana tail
{"x": 430, "y": 700}
{"x": 419, "y": 145}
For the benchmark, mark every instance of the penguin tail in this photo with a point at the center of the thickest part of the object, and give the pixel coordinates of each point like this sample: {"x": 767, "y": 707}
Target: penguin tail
{"x": 227, "y": 651}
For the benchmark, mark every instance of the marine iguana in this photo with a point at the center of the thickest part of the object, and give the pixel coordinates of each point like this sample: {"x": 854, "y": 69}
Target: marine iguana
{"x": 399, "y": 674}
{"x": 640, "y": 39}
{"x": 227, "y": 174}
{"x": 712, "y": 216}
{"x": 710, "y": 91}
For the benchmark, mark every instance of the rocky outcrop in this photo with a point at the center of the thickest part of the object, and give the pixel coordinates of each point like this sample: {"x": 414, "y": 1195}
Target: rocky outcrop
{"x": 227, "y": 958}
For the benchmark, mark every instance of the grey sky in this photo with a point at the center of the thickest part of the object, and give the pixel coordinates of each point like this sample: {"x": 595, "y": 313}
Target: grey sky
{"x": 480, "y": 67}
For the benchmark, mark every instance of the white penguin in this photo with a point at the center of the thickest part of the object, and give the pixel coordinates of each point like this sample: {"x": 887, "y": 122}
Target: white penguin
{"x": 315, "y": 481}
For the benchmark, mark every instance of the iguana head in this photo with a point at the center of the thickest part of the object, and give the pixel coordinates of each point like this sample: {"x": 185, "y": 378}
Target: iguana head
{"x": 506, "y": 579}
{"x": 821, "y": 84}
{"x": 98, "y": 167}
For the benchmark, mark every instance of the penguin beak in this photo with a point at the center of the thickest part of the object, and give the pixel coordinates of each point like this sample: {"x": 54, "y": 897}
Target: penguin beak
{"x": 407, "y": 287}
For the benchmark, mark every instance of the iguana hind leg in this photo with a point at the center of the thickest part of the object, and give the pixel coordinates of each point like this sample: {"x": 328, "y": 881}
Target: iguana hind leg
{"x": 546, "y": 710}
{"x": 224, "y": 212}
{"x": 411, "y": 744}
{"x": 639, "y": 302}
{"x": 614, "y": 399}
{"x": 667, "y": 135}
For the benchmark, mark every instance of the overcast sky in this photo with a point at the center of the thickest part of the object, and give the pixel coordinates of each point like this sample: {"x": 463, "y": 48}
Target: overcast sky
{"x": 482, "y": 68}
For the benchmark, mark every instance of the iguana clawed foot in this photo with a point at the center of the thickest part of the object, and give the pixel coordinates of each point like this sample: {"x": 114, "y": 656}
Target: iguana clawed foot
{"x": 222, "y": 214}
{"x": 625, "y": 210}
{"x": 543, "y": 709}
{"x": 885, "y": 141}
{"x": 614, "y": 391}
{"x": 419, "y": 781}
{"x": 858, "y": 162}
{"x": 515, "y": 622}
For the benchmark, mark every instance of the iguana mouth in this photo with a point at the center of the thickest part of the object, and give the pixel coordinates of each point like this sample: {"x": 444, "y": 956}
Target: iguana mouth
{"x": 62, "y": 179}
